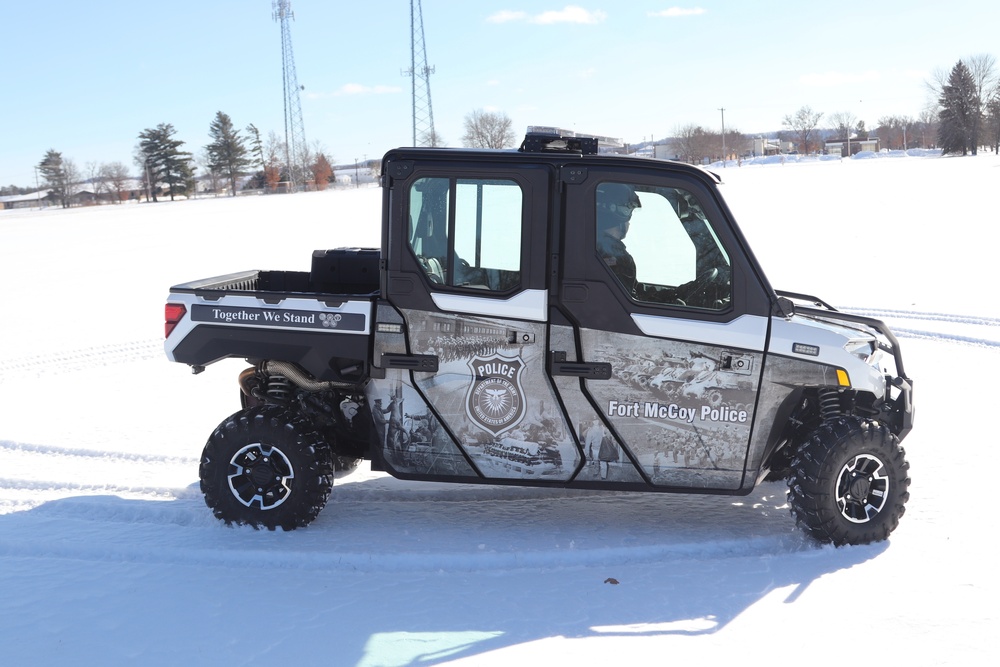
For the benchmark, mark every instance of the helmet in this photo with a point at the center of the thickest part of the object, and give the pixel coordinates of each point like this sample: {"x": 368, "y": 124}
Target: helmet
{"x": 615, "y": 203}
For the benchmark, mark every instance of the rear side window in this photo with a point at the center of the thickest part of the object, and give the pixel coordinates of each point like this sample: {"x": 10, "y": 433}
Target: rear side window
{"x": 466, "y": 233}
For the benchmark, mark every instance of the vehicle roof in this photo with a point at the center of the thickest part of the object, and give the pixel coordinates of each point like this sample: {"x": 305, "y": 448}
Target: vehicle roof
{"x": 554, "y": 157}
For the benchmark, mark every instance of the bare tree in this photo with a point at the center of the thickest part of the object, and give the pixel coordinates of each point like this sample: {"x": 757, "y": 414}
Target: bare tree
{"x": 927, "y": 126}
{"x": 488, "y": 129}
{"x": 896, "y": 132}
{"x": 694, "y": 144}
{"x": 983, "y": 68}
{"x": 803, "y": 122}
{"x": 274, "y": 170}
{"x": 214, "y": 171}
{"x": 992, "y": 127}
{"x": 115, "y": 174}
{"x": 95, "y": 176}
{"x": 843, "y": 122}
{"x": 433, "y": 138}
{"x": 736, "y": 143}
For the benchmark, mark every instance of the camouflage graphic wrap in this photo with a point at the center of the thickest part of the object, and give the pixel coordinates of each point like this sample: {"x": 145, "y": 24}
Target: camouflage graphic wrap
{"x": 410, "y": 437}
{"x": 492, "y": 392}
{"x": 684, "y": 411}
{"x": 615, "y": 465}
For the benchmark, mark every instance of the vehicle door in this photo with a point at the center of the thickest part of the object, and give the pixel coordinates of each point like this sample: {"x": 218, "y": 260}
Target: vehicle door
{"x": 466, "y": 392}
{"x": 660, "y": 359}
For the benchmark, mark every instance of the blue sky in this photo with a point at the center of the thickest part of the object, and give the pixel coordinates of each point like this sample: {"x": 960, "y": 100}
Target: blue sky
{"x": 85, "y": 78}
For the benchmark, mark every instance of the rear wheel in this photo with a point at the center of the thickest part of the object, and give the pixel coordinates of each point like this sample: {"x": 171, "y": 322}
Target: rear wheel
{"x": 266, "y": 467}
{"x": 849, "y": 482}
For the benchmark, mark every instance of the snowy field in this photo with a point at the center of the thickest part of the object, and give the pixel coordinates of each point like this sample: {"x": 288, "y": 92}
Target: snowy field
{"x": 108, "y": 555}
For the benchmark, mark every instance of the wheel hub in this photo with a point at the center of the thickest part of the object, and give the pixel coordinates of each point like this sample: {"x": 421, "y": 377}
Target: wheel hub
{"x": 862, "y": 488}
{"x": 262, "y": 475}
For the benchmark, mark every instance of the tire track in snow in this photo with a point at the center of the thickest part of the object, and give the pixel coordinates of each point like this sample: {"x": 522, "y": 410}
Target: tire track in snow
{"x": 971, "y": 324}
{"x": 66, "y": 361}
{"x": 937, "y": 336}
{"x": 37, "y": 475}
{"x": 926, "y": 316}
{"x": 61, "y": 487}
{"x": 109, "y": 456}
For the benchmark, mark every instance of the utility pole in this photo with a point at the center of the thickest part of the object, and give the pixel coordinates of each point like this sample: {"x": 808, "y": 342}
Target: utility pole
{"x": 723, "y": 138}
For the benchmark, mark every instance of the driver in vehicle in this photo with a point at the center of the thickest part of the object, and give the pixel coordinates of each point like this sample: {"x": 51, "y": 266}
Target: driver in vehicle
{"x": 615, "y": 203}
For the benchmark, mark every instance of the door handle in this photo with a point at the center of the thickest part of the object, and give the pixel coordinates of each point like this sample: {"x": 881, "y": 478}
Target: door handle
{"x": 424, "y": 363}
{"x": 598, "y": 370}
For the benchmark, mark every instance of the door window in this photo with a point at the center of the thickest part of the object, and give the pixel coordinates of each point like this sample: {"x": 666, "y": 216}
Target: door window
{"x": 661, "y": 246}
{"x": 466, "y": 233}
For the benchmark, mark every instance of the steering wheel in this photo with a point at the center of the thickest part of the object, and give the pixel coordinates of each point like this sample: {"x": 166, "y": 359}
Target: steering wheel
{"x": 688, "y": 290}
{"x": 432, "y": 267}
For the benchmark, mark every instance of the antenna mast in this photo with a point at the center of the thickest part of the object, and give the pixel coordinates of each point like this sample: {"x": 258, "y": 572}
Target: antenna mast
{"x": 295, "y": 131}
{"x": 423, "y": 113}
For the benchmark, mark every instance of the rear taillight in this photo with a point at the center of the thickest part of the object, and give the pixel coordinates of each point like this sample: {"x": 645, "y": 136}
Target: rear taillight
{"x": 172, "y": 314}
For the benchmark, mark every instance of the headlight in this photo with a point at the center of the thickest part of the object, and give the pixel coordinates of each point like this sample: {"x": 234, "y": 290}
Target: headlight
{"x": 865, "y": 350}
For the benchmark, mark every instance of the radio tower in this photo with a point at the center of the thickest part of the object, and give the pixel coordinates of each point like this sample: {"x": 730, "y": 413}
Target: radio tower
{"x": 295, "y": 131}
{"x": 423, "y": 114}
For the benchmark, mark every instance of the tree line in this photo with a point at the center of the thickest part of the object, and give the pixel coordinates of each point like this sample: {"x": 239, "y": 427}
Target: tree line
{"x": 166, "y": 169}
{"x": 962, "y": 116}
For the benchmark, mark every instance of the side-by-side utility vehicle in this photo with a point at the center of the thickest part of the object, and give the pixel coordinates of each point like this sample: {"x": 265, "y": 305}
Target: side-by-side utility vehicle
{"x": 548, "y": 316}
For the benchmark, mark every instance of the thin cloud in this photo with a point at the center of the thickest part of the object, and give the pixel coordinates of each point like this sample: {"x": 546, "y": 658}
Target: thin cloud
{"x": 827, "y": 79}
{"x": 568, "y": 14}
{"x": 677, "y": 12}
{"x": 506, "y": 16}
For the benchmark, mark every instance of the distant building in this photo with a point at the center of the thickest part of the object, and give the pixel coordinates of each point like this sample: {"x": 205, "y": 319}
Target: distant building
{"x": 763, "y": 146}
{"x": 855, "y": 146}
{"x": 31, "y": 200}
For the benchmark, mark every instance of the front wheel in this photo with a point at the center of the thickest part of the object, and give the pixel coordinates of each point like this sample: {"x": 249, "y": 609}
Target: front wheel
{"x": 266, "y": 467}
{"x": 849, "y": 482}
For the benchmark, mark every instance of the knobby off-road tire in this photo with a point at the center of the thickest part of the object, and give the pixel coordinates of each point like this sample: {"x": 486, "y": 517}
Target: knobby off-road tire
{"x": 266, "y": 467}
{"x": 849, "y": 482}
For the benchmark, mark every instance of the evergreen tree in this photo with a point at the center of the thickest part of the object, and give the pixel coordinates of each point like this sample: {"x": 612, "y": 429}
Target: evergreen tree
{"x": 256, "y": 147}
{"x": 227, "y": 153}
{"x": 53, "y": 170}
{"x": 959, "y": 113}
{"x": 162, "y": 159}
{"x": 862, "y": 132}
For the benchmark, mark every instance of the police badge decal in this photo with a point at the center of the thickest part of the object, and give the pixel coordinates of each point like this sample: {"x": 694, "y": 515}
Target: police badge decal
{"x": 495, "y": 400}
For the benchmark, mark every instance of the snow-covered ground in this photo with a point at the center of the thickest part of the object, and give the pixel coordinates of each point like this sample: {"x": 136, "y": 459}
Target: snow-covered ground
{"x": 108, "y": 555}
